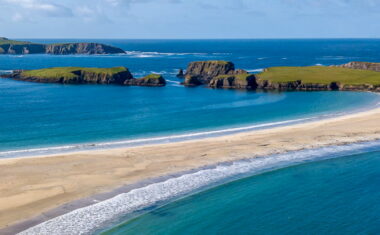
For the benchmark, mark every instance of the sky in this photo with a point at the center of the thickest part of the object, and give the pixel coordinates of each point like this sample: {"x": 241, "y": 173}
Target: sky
{"x": 181, "y": 19}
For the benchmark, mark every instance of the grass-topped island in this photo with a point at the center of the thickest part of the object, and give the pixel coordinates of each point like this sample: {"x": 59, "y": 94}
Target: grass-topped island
{"x": 81, "y": 75}
{"x": 318, "y": 78}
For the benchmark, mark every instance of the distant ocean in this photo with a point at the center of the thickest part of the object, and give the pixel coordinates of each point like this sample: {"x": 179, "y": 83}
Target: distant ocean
{"x": 331, "y": 196}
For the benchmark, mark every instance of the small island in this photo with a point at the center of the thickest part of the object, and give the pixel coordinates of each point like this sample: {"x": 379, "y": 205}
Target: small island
{"x": 79, "y": 75}
{"x": 8, "y": 46}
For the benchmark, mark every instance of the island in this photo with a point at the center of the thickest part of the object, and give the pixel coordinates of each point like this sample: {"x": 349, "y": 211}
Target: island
{"x": 355, "y": 76}
{"x": 80, "y": 75}
{"x": 8, "y": 46}
{"x": 318, "y": 78}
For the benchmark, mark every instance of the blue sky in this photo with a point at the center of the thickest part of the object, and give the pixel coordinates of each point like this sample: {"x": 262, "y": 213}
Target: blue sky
{"x": 189, "y": 18}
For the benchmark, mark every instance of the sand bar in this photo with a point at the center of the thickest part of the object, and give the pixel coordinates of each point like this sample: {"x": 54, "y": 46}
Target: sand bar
{"x": 33, "y": 186}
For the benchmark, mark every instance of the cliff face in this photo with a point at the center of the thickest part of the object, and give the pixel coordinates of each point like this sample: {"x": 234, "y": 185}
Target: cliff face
{"x": 16, "y": 47}
{"x": 150, "y": 80}
{"x": 22, "y": 49}
{"x": 99, "y": 78}
{"x": 296, "y": 85}
{"x": 81, "y": 48}
{"x": 202, "y": 72}
{"x": 238, "y": 81}
{"x": 362, "y": 65}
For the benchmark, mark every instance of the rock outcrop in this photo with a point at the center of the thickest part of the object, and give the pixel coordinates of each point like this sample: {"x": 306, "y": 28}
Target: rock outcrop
{"x": 362, "y": 65}
{"x": 18, "y": 47}
{"x": 73, "y": 75}
{"x": 202, "y": 72}
{"x": 237, "y": 81}
{"x": 180, "y": 74}
{"x": 150, "y": 80}
{"x": 81, "y": 48}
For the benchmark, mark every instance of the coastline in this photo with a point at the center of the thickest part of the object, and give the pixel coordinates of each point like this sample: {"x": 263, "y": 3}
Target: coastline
{"x": 48, "y": 182}
{"x": 165, "y": 138}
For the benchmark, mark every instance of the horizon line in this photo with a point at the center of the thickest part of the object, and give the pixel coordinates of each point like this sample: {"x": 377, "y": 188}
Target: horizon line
{"x": 279, "y": 38}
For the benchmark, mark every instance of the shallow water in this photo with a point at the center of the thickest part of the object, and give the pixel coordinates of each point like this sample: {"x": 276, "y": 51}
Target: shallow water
{"x": 53, "y": 118}
{"x": 336, "y": 196}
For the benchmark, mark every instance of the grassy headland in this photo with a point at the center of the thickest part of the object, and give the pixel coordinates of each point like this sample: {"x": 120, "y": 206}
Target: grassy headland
{"x": 320, "y": 75}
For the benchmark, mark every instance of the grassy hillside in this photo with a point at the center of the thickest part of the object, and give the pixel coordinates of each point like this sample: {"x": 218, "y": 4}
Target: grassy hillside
{"x": 68, "y": 72}
{"x": 13, "y": 42}
{"x": 320, "y": 75}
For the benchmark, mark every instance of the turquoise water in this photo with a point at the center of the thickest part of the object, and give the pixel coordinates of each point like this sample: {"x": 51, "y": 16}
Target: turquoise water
{"x": 52, "y": 118}
{"x": 336, "y": 196}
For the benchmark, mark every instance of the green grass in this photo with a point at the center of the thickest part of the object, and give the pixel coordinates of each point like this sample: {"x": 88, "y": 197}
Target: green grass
{"x": 153, "y": 76}
{"x": 4, "y": 41}
{"x": 67, "y": 72}
{"x": 320, "y": 75}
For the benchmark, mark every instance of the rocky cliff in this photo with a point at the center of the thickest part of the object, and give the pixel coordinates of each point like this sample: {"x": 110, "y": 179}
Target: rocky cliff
{"x": 362, "y": 65}
{"x": 18, "y": 47}
{"x": 81, "y": 48}
{"x": 201, "y": 72}
{"x": 237, "y": 81}
{"x": 150, "y": 80}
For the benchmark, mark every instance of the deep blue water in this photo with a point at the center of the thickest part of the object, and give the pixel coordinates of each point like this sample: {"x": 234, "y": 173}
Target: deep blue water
{"x": 46, "y": 115}
{"x": 336, "y": 196}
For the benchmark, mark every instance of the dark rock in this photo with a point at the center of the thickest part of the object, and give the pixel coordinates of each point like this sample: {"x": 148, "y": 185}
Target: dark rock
{"x": 202, "y": 72}
{"x": 150, "y": 80}
{"x": 180, "y": 74}
{"x": 238, "y": 81}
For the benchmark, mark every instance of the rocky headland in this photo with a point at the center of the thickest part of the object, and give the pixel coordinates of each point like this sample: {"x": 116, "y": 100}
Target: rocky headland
{"x": 19, "y": 47}
{"x": 78, "y": 75}
{"x": 354, "y": 76}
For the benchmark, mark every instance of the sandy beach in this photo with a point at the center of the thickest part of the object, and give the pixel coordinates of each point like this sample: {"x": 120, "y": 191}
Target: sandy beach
{"x": 35, "y": 185}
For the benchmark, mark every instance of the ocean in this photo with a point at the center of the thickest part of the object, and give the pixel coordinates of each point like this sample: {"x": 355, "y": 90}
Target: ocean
{"x": 287, "y": 194}
{"x": 52, "y": 118}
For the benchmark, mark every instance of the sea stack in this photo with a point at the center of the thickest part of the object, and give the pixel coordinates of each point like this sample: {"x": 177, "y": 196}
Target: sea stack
{"x": 180, "y": 74}
{"x": 201, "y": 72}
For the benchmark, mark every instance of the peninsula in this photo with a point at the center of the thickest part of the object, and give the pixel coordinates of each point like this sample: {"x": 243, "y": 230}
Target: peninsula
{"x": 354, "y": 76}
{"x": 8, "y": 46}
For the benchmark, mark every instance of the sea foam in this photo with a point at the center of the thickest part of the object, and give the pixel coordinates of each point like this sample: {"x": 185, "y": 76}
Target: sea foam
{"x": 91, "y": 218}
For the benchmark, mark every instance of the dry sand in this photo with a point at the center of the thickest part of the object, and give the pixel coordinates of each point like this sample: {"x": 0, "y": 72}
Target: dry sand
{"x": 31, "y": 186}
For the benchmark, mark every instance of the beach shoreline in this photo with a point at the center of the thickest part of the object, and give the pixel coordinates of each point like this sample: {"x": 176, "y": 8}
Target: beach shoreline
{"x": 56, "y": 184}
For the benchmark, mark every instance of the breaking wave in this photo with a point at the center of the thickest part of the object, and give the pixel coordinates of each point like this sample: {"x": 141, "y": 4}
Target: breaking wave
{"x": 94, "y": 217}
